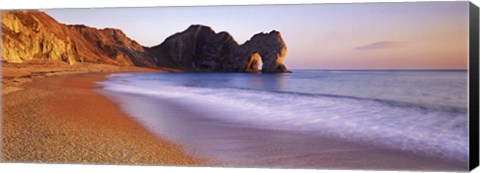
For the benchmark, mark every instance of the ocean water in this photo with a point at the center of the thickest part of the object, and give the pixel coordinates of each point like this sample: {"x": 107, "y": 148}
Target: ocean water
{"x": 422, "y": 112}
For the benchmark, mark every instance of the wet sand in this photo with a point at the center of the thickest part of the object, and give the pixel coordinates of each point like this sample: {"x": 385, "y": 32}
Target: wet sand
{"x": 239, "y": 145}
{"x": 53, "y": 115}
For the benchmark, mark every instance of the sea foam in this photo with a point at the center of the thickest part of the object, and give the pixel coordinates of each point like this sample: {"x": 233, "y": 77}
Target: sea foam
{"x": 430, "y": 131}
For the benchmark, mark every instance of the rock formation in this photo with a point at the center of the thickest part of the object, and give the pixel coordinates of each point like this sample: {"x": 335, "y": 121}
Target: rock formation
{"x": 33, "y": 36}
{"x": 199, "y": 48}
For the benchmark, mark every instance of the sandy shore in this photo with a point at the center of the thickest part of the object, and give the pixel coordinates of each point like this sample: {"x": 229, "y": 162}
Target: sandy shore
{"x": 52, "y": 115}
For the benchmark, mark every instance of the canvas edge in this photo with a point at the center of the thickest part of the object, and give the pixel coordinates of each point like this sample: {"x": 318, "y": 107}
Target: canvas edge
{"x": 473, "y": 86}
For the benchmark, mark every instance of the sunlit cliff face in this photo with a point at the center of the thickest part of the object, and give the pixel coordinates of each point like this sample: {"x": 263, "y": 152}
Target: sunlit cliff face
{"x": 253, "y": 64}
{"x": 29, "y": 36}
{"x": 29, "y": 39}
{"x": 281, "y": 56}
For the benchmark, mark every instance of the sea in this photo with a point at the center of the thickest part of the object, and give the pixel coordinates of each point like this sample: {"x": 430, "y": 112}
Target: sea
{"x": 423, "y": 112}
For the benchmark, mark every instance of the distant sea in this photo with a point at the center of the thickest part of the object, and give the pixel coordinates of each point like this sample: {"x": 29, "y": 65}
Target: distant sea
{"x": 422, "y": 112}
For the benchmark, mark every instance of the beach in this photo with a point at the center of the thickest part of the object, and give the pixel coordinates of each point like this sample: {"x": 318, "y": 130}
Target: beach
{"x": 51, "y": 114}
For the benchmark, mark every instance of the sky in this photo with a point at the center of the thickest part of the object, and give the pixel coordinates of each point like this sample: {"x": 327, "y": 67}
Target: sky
{"x": 407, "y": 35}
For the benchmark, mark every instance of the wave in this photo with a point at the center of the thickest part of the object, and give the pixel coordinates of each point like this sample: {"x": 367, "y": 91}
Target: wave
{"x": 153, "y": 81}
{"x": 431, "y": 131}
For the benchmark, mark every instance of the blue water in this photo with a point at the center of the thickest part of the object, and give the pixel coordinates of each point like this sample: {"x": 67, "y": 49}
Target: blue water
{"x": 415, "y": 111}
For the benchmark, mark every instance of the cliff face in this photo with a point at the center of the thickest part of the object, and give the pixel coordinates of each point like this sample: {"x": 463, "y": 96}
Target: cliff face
{"x": 33, "y": 36}
{"x": 199, "y": 48}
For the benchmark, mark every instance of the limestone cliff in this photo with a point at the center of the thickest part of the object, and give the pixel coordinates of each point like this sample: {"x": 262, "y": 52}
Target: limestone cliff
{"x": 33, "y": 36}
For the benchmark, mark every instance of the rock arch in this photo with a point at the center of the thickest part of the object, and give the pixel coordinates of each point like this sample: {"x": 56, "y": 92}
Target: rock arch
{"x": 204, "y": 50}
{"x": 270, "y": 48}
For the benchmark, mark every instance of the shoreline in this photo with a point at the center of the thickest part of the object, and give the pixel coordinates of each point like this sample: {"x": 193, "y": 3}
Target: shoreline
{"x": 233, "y": 144}
{"x": 55, "y": 119}
{"x": 60, "y": 123}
